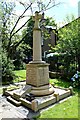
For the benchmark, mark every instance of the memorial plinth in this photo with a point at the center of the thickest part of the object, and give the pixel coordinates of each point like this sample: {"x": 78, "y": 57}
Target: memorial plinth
{"x": 38, "y": 77}
{"x": 37, "y": 74}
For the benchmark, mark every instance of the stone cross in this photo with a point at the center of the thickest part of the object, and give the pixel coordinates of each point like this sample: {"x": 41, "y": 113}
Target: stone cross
{"x": 37, "y": 55}
{"x": 36, "y": 18}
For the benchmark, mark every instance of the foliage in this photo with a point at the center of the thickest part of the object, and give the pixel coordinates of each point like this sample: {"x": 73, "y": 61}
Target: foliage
{"x": 10, "y": 20}
{"x": 76, "y": 79}
{"x": 6, "y": 12}
{"x": 69, "y": 43}
{"x": 7, "y": 65}
{"x": 1, "y": 90}
{"x": 27, "y": 34}
{"x": 13, "y": 53}
{"x": 18, "y": 58}
{"x": 7, "y": 69}
{"x": 46, "y": 27}
{"x": 58, "y": 62}
{"x": 12, "y": 42}
{"x": 49, "y": 21}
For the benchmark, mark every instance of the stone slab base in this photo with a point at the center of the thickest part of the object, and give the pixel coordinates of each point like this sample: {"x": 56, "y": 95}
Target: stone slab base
{"x": 43, "y": 101}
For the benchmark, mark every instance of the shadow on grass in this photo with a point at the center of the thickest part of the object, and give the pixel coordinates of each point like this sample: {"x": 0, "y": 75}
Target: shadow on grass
{"x": 64, "y": 84}
{"x": 60, "y": 83}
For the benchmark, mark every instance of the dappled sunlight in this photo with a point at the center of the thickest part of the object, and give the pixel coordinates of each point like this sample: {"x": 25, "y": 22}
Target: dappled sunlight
{"x": 59, "y": 82}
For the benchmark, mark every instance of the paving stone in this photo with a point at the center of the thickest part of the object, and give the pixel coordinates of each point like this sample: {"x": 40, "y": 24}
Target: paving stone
{"x": 8, "y": 110}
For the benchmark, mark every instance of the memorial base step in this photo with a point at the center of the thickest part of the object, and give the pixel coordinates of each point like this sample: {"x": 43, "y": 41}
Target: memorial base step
{"x": 12, "y": 100}
{"x": 40, "y": 102}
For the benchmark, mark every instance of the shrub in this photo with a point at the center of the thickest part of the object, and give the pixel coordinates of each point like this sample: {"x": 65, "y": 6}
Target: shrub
{"x": 7, "y": 69}
{"x": 62, "y": 63}
{"x": 76, "y": 79}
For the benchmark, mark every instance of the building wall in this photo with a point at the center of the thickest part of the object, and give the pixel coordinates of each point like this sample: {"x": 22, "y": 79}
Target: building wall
{"x": 51, "y": 40}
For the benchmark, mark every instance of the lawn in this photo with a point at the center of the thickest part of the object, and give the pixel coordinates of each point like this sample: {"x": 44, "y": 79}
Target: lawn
{"x": 20, "y": 75}
{"x": 66, "y": 109}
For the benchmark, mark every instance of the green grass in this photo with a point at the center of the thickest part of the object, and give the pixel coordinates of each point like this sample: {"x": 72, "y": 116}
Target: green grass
{"x": 20, "y": 75}
{"x": 59, "y": 82}
{"x": 66, "y": 109}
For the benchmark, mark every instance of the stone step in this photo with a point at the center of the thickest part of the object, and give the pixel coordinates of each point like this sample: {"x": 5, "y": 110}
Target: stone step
{"x": 15, "y": 102}
{"x": 21, "y": 92}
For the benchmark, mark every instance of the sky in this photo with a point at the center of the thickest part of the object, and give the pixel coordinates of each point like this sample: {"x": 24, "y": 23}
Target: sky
{"x": 67, "y": 7}
{"x": 58, "y": 13}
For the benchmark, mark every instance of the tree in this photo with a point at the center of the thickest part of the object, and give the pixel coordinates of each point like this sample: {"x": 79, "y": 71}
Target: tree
{"x": 9, "y": 35}
{"x": 11, "y": 40}
{"x": 69, "y": 43}
{"x": 7, "y": 69}
{"x": 7, "y": 14}
{"x": 7, "y": 65}
{"x": 28, "y": 33}
{"x": 9, "y": 31}
{"x": 28, "y": 39}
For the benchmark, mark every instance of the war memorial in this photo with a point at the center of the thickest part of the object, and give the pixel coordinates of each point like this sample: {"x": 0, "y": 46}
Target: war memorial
{"x": 37, "y": 93}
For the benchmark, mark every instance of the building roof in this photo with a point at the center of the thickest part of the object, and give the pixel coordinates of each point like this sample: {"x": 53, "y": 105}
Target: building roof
{"x": 69, "y": 23}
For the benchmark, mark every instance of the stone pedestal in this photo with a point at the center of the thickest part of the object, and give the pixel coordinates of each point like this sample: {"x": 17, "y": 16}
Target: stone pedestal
{"x": 37, "y": 74}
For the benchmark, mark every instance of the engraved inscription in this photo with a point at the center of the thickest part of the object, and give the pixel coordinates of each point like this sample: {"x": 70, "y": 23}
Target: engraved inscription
{"x": 37, "y": 75}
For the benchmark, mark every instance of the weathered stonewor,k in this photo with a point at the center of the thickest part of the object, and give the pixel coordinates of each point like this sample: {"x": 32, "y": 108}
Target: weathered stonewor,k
{"x": 37, "y": 93}
{"x": 37, "y": 71}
